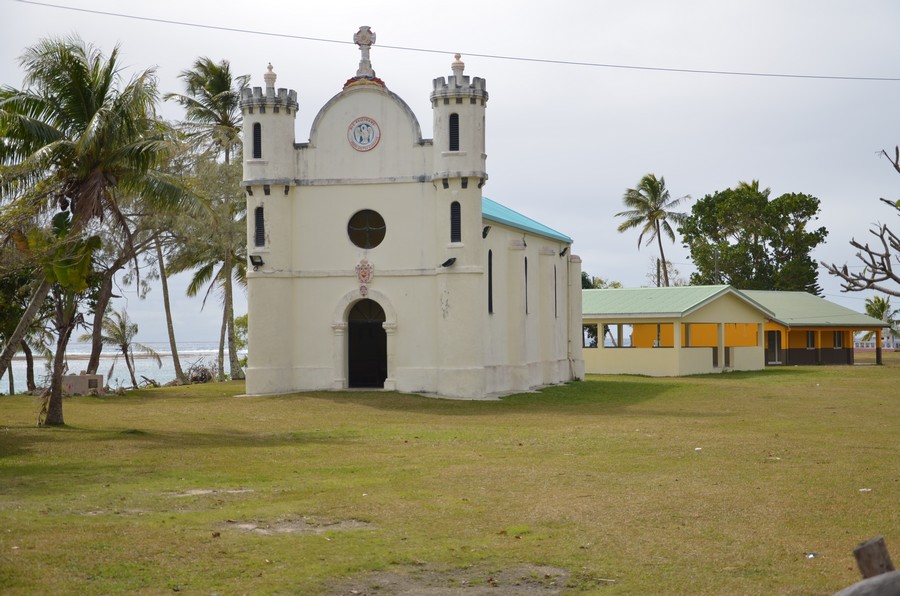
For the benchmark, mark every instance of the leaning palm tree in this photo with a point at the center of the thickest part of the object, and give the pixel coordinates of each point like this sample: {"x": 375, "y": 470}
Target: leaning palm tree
{"x": 650, "y": 209}
{"x": 212, "y": 105}
{"x": 119, "y": 332}
{"x": 76, "y": 138}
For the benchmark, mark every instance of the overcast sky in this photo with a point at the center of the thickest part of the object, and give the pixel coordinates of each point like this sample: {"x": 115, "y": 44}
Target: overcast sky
{"x": 564, "y": 141}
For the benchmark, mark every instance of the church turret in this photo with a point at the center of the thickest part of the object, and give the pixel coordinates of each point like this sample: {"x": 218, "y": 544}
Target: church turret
{"x": 458, "y": 104}
{"x": 269, "y": 169}
{"x": 270, "y": 183}
{"x": 268, "y": 132}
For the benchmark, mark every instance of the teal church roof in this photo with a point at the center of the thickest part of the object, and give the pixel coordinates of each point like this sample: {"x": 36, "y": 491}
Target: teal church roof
{"x": 494, "y": 211}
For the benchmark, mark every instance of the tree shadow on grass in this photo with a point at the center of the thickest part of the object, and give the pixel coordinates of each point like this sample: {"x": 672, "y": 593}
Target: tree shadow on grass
{"x": 23, "y": 443}
{"x": 771, "y": 373}
{"x": 576, "y": 398}
{"x": 23, "y": 472}
{"x": 599, "y": 394}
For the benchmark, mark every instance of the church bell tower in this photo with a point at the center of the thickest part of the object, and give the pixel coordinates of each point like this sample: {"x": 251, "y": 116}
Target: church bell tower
{"x": 458, "y": 105}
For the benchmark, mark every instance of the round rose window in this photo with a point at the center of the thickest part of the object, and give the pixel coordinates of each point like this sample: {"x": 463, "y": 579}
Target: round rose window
{"x": 366, "y": 228}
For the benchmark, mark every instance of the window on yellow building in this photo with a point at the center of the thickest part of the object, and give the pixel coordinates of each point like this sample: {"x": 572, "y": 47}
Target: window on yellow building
{"x": 589, "y": 335}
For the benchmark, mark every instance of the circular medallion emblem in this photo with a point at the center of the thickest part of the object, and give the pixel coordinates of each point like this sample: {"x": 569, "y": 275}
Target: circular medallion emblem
{"x": 363, "y": 134}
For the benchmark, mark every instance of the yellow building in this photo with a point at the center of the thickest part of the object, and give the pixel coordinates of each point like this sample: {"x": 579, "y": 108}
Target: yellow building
{"x": 672, "y": 331}
{"x": 704, "y": 329}
{"x": 807, "y": 329}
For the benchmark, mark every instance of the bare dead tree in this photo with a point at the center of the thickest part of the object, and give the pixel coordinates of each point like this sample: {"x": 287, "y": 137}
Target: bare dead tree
{"x": 881, "y": 259}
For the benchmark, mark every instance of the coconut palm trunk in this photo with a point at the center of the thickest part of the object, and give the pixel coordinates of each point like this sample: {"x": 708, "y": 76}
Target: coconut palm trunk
{"x": 29, "y": 366}
{"x": 234, "y": 364}
{"x": 220, "y": 361}
{"x": 103, "y": 297}
{"x": 66, "y": 311}
{"x": 662, "y": 256}
{"x": 170, "y": 328}
{"x": 129, "y": 364}
{"x": 54, "y": 413}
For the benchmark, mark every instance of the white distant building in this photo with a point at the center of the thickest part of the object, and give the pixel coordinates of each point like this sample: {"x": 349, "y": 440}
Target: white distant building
{"x": 377, "y": 261}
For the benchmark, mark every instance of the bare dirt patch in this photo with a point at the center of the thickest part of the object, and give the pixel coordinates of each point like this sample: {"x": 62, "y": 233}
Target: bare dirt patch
{"x": 302, "y": 525}
{"x": 426, "y": 580}
{"x": 123, "y": 512}
{"x": 197, "y": 492}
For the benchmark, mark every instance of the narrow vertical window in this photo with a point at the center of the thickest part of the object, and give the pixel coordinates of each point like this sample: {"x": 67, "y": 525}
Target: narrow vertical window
{"x": 555, "y": 305}
{"x": 490, "y": 282}
{"x": 455, "y": 222}
{"x": 454, "y": 132}
{"x": 810, "y": 340}
{"x": 526, "y": 285}
{"x": 257, "y": 141}
{"x": 259, "y": 235}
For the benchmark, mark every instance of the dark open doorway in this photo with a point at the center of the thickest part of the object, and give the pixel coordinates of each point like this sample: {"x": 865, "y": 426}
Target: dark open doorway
{"x": 773, "y": 347}
{"x": 367, "y": 353}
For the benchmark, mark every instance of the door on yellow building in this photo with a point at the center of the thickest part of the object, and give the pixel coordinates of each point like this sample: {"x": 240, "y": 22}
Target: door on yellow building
{"x": 773, "y": 347}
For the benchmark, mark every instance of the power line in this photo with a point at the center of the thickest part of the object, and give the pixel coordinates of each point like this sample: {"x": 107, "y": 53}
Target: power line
{"x": 472, "y": 54}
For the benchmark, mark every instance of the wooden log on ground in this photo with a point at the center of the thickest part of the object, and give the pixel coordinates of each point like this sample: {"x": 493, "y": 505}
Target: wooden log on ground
{"x": 876, "y": 567}
{"x": 872, "y": 557}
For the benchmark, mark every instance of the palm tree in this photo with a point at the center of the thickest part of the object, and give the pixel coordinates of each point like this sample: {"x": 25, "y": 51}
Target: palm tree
{"x": 879, "y": 308}
{"x": 213, "y": 119}
{"x": 119, "y": 332}
{"x": 212, "y": 104}
{"x": 220, "y": 273}
{"x": 170, "y": 327}
{"x": 76, "y": 138}
{"x": 214, "y": 248}
{"x": 650, "y": 209}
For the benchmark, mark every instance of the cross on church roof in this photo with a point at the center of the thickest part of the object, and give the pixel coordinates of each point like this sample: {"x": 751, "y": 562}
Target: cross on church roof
{"x": 365, "y": 39}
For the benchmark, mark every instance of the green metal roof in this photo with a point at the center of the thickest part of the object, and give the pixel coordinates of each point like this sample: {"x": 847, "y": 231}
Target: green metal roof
{"x": 801, "y": 309}
{"x": 655, "y": 302}
{"x": 494, "y": 211}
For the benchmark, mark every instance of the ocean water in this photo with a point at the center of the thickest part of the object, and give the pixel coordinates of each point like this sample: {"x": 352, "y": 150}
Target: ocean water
{"x": 202, "y": 353}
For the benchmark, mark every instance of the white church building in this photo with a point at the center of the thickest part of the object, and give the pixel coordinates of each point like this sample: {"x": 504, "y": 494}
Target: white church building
{"x": 376, "y": 260}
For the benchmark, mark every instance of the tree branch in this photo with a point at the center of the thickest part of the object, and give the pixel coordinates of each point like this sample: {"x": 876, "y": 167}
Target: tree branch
{"x": 896, "y": 161}
{"x": 878, "y": 268}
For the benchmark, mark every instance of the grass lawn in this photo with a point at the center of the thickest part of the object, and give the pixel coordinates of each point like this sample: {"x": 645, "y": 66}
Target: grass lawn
{"x": 742, "y": 483}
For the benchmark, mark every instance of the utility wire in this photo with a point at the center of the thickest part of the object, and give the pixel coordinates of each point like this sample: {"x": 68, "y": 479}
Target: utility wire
{"x": 473, "y": 54}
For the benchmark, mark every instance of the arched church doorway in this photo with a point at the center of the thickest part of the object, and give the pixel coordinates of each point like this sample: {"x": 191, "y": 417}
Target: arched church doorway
{"x": 367, "y": 349}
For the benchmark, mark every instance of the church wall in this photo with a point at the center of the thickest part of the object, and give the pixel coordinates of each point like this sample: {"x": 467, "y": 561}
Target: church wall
{"x": 272, "y": 357}
{"x": 400, "y": 153}
{"x": 320, "y": 241}
{"x": 527, "y": 350}
{"x": 575, "y": 366}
